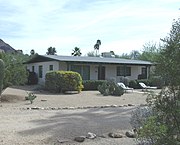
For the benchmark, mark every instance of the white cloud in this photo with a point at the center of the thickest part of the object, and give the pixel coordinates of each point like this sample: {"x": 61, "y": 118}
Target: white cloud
{"x": 67, "y": 24}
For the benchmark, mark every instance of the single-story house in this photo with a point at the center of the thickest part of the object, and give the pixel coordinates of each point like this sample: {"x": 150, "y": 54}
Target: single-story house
{"x": 90, "y": 68}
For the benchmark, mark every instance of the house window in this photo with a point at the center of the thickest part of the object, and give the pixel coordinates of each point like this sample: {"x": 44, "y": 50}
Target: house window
{"x": 83, "y": 70}
{"x": 40, "y": 71}
{"x": 123, "y": 71}
{"x": 51, "y": 67}
{"x": 32, "y": 68}
{"x": 144, "y": 71}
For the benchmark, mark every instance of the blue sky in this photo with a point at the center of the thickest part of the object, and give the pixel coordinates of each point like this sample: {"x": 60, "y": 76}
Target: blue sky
{"x": 121, "y": 25}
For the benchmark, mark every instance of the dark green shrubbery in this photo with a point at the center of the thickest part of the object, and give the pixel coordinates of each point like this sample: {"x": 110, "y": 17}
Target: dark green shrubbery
{"x": 124, "y": 80}
{"x": 110, "y": 88}
{"x": 62, "y": 81}
{"x": 92, "y": 84}
{"x": 1, "y": 75}
{"x": 32, "y": 78}
{"x": 15, "y": 71}
{"x": 153, "y": 81}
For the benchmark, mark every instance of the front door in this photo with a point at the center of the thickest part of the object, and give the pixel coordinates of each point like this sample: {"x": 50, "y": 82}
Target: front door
{"x": 101, "y": 72}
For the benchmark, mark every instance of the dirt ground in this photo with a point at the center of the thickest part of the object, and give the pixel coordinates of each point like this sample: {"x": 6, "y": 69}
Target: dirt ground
{"x": 20, "y": 126}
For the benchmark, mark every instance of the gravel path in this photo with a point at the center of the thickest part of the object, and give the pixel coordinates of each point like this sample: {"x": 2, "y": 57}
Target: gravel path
{"x": 50, "y": 127}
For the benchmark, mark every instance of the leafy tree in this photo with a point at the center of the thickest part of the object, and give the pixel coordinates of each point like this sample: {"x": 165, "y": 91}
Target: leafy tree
{"x": 76, "y": 52}
{"x": 124, "y": 56}
{"x": 97, "y": 45}
{"x": 51, "y": 51}
{"x": 15, "y": 70}
{"x": 92, "y": 54}
{"x": 163, "y": 127}
{"x": 150, "y": 52}
{"x": 135, "y": 54}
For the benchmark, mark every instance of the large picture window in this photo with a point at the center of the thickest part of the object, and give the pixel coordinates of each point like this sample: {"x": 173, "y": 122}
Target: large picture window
{"x": 83, "y": 70}
{"x": 123, "y": 71}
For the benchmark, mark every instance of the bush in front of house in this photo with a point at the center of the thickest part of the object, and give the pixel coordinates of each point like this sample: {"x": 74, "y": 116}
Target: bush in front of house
{"x": 92, "y": 84}
{"x": 32, "y": 78}
{"x": 62, "y": 81}
{"x": 153, "y": 81}
{"x": 156, "y": 81}
{"x": 110, "y": 88}
{"x": 124, "y": 80}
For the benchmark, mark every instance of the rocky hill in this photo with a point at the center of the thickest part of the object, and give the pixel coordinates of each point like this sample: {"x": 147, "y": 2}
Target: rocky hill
{"x": 5, "y": 47}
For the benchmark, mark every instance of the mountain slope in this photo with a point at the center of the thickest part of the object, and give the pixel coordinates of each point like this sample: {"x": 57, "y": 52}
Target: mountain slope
{"x": 6, "y": 47}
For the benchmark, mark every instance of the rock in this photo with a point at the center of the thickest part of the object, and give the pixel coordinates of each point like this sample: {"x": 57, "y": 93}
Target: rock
{"x": 114, "y": 106}
{"x": 80, "y": 138}
{"x": 130, "y": 105}
{"x": 115, "y": 135}
{"x": 91, "y": 135}
{"x": 43, "y": 100}
{"x": 130, "y": 134}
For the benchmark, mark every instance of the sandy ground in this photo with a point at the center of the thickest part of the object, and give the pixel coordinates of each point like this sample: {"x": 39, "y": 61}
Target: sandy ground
{"x": 19, "y": 126}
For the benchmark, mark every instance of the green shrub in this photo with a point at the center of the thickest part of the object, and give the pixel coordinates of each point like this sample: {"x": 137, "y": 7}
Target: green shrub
{"x": 156, "y": 81}
{"x": 134, "y": 84}
{"x": 1, "y": 74}
{"x": 110, "y": 88}
{"x": 92, "y": 84}
{"x": 62, "y": 81}
{"x": 124, "y": 80}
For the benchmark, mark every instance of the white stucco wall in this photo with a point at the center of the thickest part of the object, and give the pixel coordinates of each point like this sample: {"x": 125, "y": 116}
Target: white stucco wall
{"x": 45, "y": 66}
{"x": 110, "y": 71}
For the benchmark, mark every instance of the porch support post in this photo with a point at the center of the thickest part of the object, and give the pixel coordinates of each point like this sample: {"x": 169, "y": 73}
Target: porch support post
{"x": 148, "y": 71}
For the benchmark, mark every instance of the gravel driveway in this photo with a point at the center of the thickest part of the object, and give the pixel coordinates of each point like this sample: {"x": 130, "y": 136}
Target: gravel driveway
{"x": 51, "y": 127}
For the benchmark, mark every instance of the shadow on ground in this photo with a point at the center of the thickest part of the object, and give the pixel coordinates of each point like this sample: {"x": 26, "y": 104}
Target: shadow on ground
{"x": 67, "y": 124}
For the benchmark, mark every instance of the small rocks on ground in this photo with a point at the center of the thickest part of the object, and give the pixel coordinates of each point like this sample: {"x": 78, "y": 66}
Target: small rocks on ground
{"x": 130, "y": 134}
{"x": 115, "y": 135}
{"x": 91, "y": 135}
{"x": 80, "y": 138}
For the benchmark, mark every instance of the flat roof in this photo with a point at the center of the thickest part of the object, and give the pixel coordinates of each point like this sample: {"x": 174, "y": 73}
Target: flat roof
{"x": 86, "y": 59}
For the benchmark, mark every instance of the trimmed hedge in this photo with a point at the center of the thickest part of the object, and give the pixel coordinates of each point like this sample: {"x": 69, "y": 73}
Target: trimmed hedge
{"x": 92, "y": 84}
{"x": 62, "y": 81}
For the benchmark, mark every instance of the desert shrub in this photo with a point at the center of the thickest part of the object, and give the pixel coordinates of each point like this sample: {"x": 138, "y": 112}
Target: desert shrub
{"x": 15, "y": 70}
{"x": 32, "y": 78}
{"x": 30, "y": 97}
{"x": 156, "y": 81}
{"x": 1, "y": 74}
{"x": 62, "y": 81}
{"x": 110, "y": 88}
{"x": 163, "y": 125}
{"x": 139, "y": 116}
{"x": 92, "y": 84}
{"x": 124, "y": 80}
{"x": 134, "y": 84}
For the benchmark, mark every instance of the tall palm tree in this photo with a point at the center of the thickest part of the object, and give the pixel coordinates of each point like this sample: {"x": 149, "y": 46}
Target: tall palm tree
{"x": 51, "y": 51}
{"x": 76, "y": 52}
{"x": 97, "y": 45}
